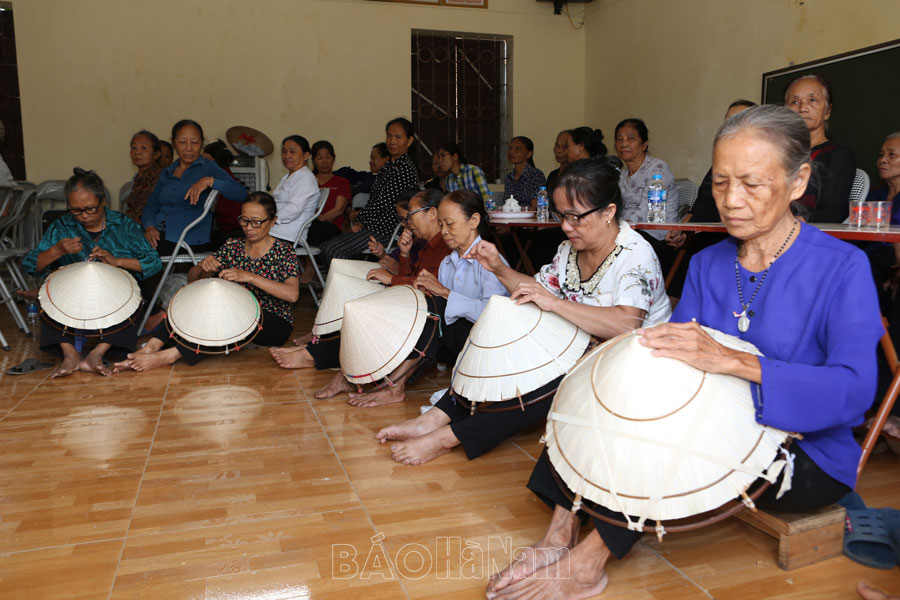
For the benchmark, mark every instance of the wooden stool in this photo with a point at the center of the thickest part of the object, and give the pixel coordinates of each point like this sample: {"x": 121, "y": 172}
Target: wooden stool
{"x": 803, "y": 538}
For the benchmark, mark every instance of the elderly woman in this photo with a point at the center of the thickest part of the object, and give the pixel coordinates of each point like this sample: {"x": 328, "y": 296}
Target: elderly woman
{"x": 177, "y": 198}
{"x": 330, "y": 221}
{"x": 561, "y": 154}
{"x": 261, "y": 263}
{"x": 804, "y": 298}
{"x": 604, "y": 278}
{"x": 885, "y": 258}
{"x": 421, "y": 222}
{"x": 297, "y": 194}
{"x": 826, "y": 199}
{"x": 378, "y": 218}
{"x": 460, "y": 174}
{"x": 166, "y": 154}
{"x": 524, "y": 181}
{"x": 90, "y": 232}
{"x": 145, "y": 153}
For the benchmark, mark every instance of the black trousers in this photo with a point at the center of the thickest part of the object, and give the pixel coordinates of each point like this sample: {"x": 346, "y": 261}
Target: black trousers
{"x": 811, "y": 488}
{"x": 483, "y": 431}
{"x": 122, "y": 340}
{"x": 321, "y": 231}
{"x": 275, "y": 332}
{"x": 165, "y": 248}
{"x": 445, "y": 345}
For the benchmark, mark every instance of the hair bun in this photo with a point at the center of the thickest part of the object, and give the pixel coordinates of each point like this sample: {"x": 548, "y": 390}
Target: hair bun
{"x": 613, "y": 161}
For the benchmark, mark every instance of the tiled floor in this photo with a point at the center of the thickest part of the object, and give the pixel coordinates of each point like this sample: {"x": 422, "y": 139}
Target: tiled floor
{"x": 227, "y": 480}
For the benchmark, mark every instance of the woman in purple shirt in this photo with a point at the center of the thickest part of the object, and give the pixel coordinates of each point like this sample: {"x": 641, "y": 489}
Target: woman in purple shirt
{"x": 804, "y": 298}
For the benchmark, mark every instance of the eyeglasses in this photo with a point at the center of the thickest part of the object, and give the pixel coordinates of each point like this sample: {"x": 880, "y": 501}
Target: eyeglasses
{"x": 575, "y": 218}
{"x": 254, "y": 223}
{"x": 412, "y": 212}
{"x": 90, "y": 210}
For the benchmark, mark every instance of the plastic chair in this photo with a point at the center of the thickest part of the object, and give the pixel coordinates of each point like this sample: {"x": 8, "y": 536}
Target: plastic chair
{"x": 124, "y": 192}
{"x": 687, "y": 194}
{"x": 860, "y": 188}
{"x": 12, "y": 206}
{"x": 302, "y": 247}
{"x": 887, "y": 403}
{"x": 176, "y": 257}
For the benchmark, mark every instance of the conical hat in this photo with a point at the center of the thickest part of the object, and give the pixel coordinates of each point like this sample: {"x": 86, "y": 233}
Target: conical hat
{"x": 353, "y": 268}
{"x": 89, "y": 295}
{"x": 214, "y": 312}
{"x": 379, "y": 332}
{"x": 514, "y": 349}
{"x": 340, "y": 289}
{"x": 654, "y": 437}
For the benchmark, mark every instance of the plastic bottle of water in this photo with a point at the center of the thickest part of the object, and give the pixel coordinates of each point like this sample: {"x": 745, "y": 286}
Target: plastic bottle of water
{"x": 656, "y": 200}
{"x": 31, "y": 313}
{"x": 490, "y": 205}
{"x": 543, "y": 205}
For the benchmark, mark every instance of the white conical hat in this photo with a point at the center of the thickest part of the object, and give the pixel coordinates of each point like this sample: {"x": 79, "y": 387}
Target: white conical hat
{"x": 340, "y": 289}
{"x": 214, "y": 312}
{"x": 89, "y": 295}
{"x": 353, "y": 268}
{"x": 514, "y": 349}
{"x": 379, "y": 332}
{"x": 654, "y": 437}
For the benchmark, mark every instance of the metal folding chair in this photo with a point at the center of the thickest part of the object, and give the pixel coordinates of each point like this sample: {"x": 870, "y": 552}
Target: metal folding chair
{"x": 302, "y": 247}
{"x": 176, "y": 257}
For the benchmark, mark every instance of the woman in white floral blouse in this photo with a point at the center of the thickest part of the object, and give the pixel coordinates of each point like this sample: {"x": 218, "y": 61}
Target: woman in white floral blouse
{"x": 605, "y": 278}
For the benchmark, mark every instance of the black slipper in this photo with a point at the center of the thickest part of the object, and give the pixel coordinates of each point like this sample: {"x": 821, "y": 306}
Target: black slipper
{"x": 27, "y": 366}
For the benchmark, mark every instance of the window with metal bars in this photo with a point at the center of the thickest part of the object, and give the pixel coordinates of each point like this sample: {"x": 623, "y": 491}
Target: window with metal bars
{"x": 460, "y": 93}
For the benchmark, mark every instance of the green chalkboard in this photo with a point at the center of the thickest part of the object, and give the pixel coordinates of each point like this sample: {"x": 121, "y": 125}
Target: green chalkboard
{"x": 866, "y": 87}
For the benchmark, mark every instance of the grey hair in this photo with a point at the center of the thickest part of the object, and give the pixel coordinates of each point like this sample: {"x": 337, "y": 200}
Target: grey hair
{"x": 781, "y": 126}
{"x": 891, "y": 136}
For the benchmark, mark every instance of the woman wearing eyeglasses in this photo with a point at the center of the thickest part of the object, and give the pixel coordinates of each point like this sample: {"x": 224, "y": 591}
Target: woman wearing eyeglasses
{"x": 263, "y": 264}
{"x": 605, "y": 279}
{"x": 90, "y": 232}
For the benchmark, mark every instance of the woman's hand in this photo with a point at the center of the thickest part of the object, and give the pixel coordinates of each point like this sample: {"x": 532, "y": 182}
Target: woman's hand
{"x": 405, "y": 243}
{"x": 71, "y": 245}
{"x": 238, "y": 275}
{"x": 103, "y": 256}
{"x": 532, "y": 291}
{"x": 151, "y": 234}
{"x": 381, "y": 275}
{"x": 200, "y": 186}
{"x": 487, "y": 255}
{"x": 356, "y": 227}
{"x": 675, "y": 239}
{"x": 427, "y": 282}
{"x": 210, "y": 264}
{"x": 689, "y": 343}
{"x": 376, "y": 248}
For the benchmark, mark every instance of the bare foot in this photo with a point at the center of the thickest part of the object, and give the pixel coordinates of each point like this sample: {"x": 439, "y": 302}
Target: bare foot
{"x": 288, "y": 350}
{"x": 411, "y": 428}
{"x": 295, "y": 360}
{"x": 154, "y": 345}
{"x": 93, "y": 363}
{"x": 869, "y": 593}
{"x": 559, "y": 539}
{"x": 420, "y": 450}
{"x": 303, "y": 340}
{"x": 567, "y": 578}
{"x": 145, "y": 361}
{"x": 69, "y": 365}
{"x": 337, "y": 385}
{"x": 389, "y": 395}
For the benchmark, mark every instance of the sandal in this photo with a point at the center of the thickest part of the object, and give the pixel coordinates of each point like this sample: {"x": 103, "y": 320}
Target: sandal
{"x": 27, "y": 366}
{"x": 867, "y": 538}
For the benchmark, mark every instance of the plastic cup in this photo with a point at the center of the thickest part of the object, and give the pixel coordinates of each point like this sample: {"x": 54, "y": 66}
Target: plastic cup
{"x": 858, "y": 213}
{"x": 879, "y": 214}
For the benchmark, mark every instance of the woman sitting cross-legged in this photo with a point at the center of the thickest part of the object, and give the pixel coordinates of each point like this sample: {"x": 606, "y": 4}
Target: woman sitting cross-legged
{"x": 605, "y": 279}
{"x": 419, "y": 215}
{"x": 263, "y": 264}
{"x": 817, "y": 372}
{"x": 90, "y": 232}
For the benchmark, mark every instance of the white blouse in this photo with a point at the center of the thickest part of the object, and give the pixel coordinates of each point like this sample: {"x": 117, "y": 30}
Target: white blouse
{"x": 630, "y": 276}
{"x": 296, "y": 199}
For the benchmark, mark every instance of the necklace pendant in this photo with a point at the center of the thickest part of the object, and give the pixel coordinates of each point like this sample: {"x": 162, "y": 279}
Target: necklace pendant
{"x": 743, "y": 323}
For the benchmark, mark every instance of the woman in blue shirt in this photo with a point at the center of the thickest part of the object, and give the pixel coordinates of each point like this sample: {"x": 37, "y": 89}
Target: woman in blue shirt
{"x": 181, "y": 191}
{"x": 804, "y": 298}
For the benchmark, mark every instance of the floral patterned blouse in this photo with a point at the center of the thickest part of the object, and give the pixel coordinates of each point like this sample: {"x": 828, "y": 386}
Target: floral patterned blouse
{"x": 278, "y": 264}
{"x": 630, "y": 276}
